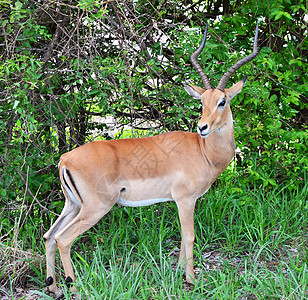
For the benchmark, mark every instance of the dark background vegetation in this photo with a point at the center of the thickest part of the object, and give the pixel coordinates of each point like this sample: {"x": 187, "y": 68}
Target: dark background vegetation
{"x": 64, "y": 64}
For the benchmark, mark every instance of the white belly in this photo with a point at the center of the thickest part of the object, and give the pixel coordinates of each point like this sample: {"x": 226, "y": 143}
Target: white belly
{"x": 139, "y": 203}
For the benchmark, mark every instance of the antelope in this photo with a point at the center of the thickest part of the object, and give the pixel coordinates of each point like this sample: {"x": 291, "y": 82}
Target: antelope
{"x": 174, "y": 166}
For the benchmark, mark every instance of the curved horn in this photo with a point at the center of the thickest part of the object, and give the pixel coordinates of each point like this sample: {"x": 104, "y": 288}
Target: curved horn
{"x": 223, "y": 81}
{"x": 193, "y": 59}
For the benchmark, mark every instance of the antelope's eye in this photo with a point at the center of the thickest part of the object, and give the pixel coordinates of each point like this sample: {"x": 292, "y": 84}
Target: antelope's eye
{"x": 222, "y": 103}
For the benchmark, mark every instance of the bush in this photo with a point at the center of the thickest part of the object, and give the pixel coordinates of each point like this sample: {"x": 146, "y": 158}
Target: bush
{"x": 64, "y": 64}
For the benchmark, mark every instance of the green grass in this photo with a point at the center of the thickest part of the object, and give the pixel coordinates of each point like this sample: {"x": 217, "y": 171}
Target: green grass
{"x": 250, "y": 245}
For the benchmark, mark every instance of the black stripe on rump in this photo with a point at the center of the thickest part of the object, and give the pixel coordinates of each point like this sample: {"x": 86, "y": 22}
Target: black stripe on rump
{"x": 73, "y": 183}
{"x": 66, "y": 183}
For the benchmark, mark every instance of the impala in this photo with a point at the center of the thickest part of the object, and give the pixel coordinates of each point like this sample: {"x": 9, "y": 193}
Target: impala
{"x": 174, "y": 166}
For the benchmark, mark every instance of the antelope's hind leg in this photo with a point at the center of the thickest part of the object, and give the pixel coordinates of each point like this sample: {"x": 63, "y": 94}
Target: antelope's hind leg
{"x": 90, "y": 213}
{"x": 68, "y": 213}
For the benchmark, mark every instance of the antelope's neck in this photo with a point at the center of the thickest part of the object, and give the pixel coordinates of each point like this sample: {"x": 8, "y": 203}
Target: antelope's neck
{"x": 219, "y": 147}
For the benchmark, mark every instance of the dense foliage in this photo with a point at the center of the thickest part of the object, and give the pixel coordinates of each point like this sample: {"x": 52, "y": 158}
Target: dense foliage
{"x": 66, "y": 67}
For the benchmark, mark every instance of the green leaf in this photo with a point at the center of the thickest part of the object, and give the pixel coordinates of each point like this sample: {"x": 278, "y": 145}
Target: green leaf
{"x": 278, "y": 15}
{"x": 4, "y": 23}
{"x": 18, "y": 5}
{"x": 287, "y": 15}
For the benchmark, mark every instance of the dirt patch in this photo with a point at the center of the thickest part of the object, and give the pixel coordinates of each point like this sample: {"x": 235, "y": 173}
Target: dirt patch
{"x": 19, "y": 293}
{"x": 16, "y": 267}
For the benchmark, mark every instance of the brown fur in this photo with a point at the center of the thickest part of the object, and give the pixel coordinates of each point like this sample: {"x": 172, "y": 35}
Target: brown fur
{"x": 174, "y": 165}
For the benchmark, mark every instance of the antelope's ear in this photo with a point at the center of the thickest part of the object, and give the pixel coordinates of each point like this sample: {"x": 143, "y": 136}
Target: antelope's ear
{"x": 194, "y": 91}
{"x": 235, "y": 88}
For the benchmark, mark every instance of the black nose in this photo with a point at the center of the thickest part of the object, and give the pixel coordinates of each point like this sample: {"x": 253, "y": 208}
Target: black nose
{"x": 204, "y": 127}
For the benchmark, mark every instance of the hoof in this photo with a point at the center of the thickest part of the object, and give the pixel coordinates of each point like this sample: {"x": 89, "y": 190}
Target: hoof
{"x": 49, "y": 281}
{"x": 68, "y": 281}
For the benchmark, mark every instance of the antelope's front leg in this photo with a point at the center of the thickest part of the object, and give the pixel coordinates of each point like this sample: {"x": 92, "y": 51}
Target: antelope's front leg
{"x": 186, "y": 215}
